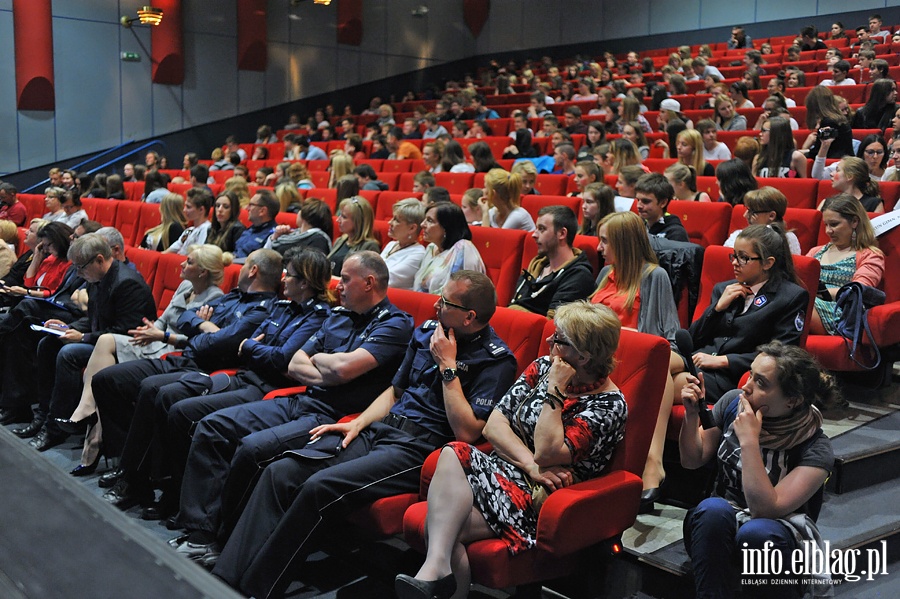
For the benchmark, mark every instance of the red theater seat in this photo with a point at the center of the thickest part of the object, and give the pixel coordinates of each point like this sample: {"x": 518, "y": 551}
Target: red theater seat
{"x": 167, "y": 279}
{"x": 501, "y": 252}
{"x": 706, "y": 222}
{"x": 587, "y": 513}
{"x": 800, "y": 193}
{"x": 145, "y": 261}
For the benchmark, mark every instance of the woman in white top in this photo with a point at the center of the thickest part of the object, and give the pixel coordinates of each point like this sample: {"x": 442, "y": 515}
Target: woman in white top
{"x": 500, "y": 204}
{"x": 404, "y": 254}
{"x": 53, "y": 203}
{"x": 766, "y": 206}
{"x": 196, "y": 210}
{"x": 454, "y": 160}
{"x": 449, "y": 248}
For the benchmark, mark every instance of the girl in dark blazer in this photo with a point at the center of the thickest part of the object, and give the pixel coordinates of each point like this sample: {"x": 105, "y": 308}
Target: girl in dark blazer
{"x": 764, "y": 302}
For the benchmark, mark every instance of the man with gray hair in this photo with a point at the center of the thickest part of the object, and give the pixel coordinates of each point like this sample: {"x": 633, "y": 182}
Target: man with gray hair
{"x": 118, "y": 301}
{"x": 116, "y": 244}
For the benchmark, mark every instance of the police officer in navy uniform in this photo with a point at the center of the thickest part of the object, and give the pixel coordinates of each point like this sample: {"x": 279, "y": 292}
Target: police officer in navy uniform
{"x": 345, "y": 366}
{"x": 264, "y": 355}
{"x": 215, "y": 332}
{"x": 454, "y": 370}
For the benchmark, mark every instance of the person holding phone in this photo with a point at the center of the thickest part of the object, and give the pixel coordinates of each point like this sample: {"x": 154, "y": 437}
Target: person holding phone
{"x": 772, "y": 461}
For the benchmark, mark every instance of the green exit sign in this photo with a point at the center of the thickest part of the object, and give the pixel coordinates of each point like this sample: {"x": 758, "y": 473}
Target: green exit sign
{"x": 131, "y": 57}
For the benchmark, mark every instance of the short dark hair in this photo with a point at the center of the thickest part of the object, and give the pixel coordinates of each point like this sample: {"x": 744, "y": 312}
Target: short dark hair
{"x": 563, "y": 217}
{"x": 271, "y": 203}
{"x": 481, "y": 295}
{"x": 657, "y": 185}
{"x": 574, "y": 111}
{"x": 59, "y": 234}
{"x": 9, "y": 188}
{"x": 200, "y": 172}
{"x": 200, "y": 197}
{"x": 809, "y": 31}
{"x": 842, "y": 65}
{"x": 365, "y": 170}
{"x": 396, "y": 132}
{"x": 437, "y": 194}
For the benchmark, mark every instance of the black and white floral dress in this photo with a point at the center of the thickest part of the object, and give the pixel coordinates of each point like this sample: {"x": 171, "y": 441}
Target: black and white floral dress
{"x": 594, "y": 424}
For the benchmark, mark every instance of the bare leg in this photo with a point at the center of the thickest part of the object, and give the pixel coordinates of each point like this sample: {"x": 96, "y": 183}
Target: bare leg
{"x": 103, "y": 356}
{"x": 815, "y": 324}
{"x": 654, "y": 472}
{"x": 451, "y": 521}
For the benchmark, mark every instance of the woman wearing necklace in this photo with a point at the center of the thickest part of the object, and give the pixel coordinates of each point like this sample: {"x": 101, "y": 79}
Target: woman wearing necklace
{"x": 557, "y": 425}
{"x": 404, "y": 254}
{"x": 772, "y": 461}
{"x": 851, "y": 255}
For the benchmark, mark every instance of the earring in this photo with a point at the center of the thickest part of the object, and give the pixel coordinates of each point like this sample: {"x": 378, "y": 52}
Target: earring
{"x": 853, "y": 238}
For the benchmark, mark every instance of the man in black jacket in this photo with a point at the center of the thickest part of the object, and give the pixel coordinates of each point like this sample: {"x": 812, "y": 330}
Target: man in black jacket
{"x": 559, "y": 274}
{"x": 118, "y": 300}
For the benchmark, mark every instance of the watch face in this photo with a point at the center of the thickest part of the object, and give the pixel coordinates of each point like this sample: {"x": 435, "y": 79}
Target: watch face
{"x": 449, "y": 374}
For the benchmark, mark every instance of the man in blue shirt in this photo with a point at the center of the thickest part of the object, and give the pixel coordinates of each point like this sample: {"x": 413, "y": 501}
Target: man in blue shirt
{"x": 261, "y": 210}
{"x": 454, "y": 370}
{"x": 307, "y": 150}
{"x": 480, "y": 111}
{"x": 126, "y": 393}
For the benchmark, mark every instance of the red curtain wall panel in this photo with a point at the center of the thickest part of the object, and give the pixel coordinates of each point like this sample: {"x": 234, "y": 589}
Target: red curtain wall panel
{"x": 33, "y": 33}
{"x": 349, "y": 22}
{"x": 252, "y": 35}
{"x": 167, "y": 44}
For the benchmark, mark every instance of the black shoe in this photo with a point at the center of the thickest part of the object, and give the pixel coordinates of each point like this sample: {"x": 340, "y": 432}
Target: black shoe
{"x": 27, "y": 432}
{"x": 45, "y": 440}
{"x": 408, "y": 587}
{"x": 109, "y": 480}
{"x": 86, "y": 470}
{"x": 76, "y": 427}
{"x": 125, "y": 496}
{"x": 15, "y": 415}
{"x": 172, "y": 522}
{"x": 649, "y": 497}
{"x": 160, "y": 510}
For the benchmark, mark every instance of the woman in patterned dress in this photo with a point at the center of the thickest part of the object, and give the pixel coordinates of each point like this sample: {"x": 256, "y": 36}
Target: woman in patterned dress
{"x": 557, "y": 425}
{"x": 851, "y": 255}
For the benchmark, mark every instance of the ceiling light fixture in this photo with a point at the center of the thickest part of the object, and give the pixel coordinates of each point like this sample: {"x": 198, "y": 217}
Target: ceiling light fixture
{"x": 147, "y": 15}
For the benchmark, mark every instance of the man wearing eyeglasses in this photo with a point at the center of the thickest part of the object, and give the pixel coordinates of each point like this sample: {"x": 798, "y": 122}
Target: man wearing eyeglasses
{"x": 119, "y": 300}
{"x": 262, "y": 210}
{"x": 455, "y": 367}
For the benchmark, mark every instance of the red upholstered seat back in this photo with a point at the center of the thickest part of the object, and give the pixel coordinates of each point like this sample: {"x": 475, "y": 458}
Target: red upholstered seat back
{"x": 706, "y": 222}
{"x": 501, "y": 252}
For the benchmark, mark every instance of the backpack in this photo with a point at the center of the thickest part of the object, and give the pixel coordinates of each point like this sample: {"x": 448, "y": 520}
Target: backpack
{"x": 854, "y": 299}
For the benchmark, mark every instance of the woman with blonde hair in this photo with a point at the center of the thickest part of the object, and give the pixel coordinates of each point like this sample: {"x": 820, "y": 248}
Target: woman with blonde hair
{"x": 288, "y": 197}
{"x": 239, "y": 186}
{"x": 355, "y": 220}
{"x": 341, "y": 165}
{"x": 299, "y": 175}
{"x": 727, "y": 118}
{"x": 501, "y": 203}
{"x": 689, "y": 151}
{"x": 851, "y": 176}
{"x": 630, "y": 110}
{"x": 202, "y": 271}
{"x": 170, "y": 228}
{"x": 684, "y": 181}
{"x": 632, "y": 132}
{"x": 766, "y": 206}
{"x": 403, "y": 254}
{"x": 640, "y": 294}
{"x": 851, "y": 255}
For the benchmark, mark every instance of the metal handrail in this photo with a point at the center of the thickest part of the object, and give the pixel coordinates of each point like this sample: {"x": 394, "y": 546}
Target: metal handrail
{"x": 118, "y": 158}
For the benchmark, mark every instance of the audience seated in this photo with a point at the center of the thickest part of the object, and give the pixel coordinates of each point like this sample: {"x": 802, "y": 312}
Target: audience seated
{"x": 403, "y": 254}
{"x": 449, "y": 247}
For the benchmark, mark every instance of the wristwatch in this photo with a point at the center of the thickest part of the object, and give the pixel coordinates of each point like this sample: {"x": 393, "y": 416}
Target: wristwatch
{"x": 448, "y": 374}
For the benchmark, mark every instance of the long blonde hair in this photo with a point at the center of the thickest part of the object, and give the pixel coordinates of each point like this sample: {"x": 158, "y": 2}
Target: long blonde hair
{"x": 170, "y": 209}
{"x": 695, "y": 140}
{"x": 501, "y": 184}
{"x": 341, "y": 164}
{"x": 627, "y": 236}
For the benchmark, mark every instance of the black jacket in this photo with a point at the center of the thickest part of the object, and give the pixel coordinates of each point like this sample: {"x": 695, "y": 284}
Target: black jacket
{"x": 118, "y": 302}
{"x": 574, "y": 281}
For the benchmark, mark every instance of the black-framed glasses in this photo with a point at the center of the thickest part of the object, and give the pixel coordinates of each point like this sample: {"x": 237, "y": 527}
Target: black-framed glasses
{"x": 555, "y": 339}
{"x": 443, "y": 302}
{"x": 81, "y": 267}
{"x": 742, "y": 259}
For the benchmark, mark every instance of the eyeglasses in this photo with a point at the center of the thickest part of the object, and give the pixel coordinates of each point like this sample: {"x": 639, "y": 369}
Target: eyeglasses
{"x": 555, "y": 339}
{"x": 81, "y": 267}
{"x": 443, "y": 302}
{"x": 742, "y": 259}
{"x": 874, "y": 152}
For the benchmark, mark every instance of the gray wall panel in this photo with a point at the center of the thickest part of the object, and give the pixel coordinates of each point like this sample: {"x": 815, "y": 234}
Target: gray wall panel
{"x": 666, "y": 16}
{"x": 9, "y": 155}
{"x": 715, "y": 13}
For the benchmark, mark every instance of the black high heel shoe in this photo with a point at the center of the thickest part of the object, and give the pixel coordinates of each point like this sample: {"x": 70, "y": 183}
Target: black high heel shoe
{"x": 408, "y": 587}
{"x": 82, "y": 470}
{"x": 76, "y": 427}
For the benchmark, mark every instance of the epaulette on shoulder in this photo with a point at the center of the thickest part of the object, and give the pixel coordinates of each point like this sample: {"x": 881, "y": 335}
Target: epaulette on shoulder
{"x": 429, "y": 325}
{"x": 318, "y": 308}
{"x": 495, "y": 349}
{"x": 340, "y": 310}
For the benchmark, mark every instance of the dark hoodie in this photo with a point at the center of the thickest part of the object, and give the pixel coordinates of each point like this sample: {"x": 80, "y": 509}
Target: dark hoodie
{"x": 574, "y": 281}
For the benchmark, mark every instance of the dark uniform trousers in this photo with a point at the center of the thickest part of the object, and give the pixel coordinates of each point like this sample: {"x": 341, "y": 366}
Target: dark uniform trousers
{"x": 296, "y": 498}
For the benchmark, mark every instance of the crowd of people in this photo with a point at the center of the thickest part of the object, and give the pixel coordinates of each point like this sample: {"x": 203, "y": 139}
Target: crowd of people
{"x": 255, "y": 486}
